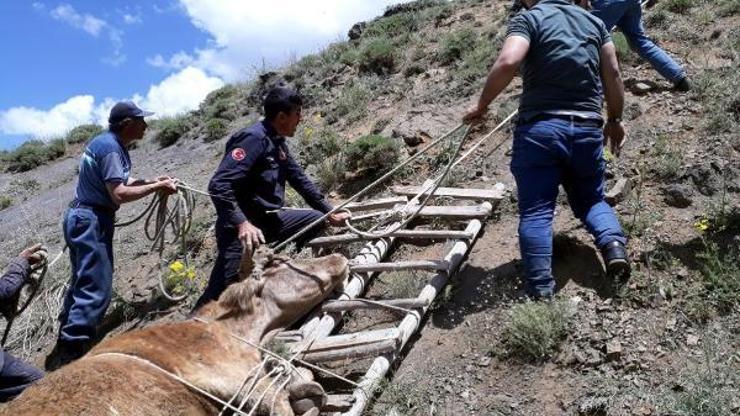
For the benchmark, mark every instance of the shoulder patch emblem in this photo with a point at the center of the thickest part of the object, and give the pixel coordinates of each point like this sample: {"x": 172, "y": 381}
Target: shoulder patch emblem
{"x": 238, "y": 154}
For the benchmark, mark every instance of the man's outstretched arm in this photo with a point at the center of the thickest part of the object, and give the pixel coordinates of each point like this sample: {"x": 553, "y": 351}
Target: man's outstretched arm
{"x": 512, "y": 54}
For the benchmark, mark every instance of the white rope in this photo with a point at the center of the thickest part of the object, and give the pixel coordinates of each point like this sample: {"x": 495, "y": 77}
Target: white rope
{"x": 367, "y": 188}
{"x": 429, "y": 190}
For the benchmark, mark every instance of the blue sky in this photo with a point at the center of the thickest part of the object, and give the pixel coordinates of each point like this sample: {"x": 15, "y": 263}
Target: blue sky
{"x": 66, "y": 62}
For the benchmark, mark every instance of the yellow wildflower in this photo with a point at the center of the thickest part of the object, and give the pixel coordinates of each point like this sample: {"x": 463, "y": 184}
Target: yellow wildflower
{"x": 702, "y": 225}
{"x": 177, "y": 266}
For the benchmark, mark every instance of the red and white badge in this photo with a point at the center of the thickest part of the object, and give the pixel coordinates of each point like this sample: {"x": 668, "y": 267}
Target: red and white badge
{"x": 238, "y": 154}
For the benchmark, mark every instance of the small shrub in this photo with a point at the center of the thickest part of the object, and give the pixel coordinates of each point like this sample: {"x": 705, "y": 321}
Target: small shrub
{"x": 376, "y": 55}
{"x": 55, "y": 149}
{"x": 5, "y": 202}
{"x": 27, "y": 156}
{"x": 668, "y": 158}
{"x": 678, "y": 6}
{"x": 216, "y": 128}
{"x": 319, "y": 144}
{"x": 536, "y": 329}
{"x": 372, "y": 153}
{"x": 624, "y": 53}
{"x": 83, "y": 133}
{"x": 721, "y": 276}
{"x": 352, "y": 102}
{"x": 171, "y": 130}
{"x": 22, "y": 186}
{"x": 330, "y": 173}
{"x": 221, "y": 103}
{"x": 395, "y": 26}
{"x": 455, "y": 44}
{"x": 657, "y": 19}
{"x": 728, "y": 8}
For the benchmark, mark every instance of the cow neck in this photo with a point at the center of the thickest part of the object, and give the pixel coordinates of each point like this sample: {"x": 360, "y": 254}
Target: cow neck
{"x": 255, "y": 325}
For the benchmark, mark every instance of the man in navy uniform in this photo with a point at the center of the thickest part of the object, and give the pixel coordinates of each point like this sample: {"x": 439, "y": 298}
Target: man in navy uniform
{"x": 16, "y": 375}
{"x": 104, "y": 184}
{"x": 248, "y": 190}
{"x": 566, "y": 56}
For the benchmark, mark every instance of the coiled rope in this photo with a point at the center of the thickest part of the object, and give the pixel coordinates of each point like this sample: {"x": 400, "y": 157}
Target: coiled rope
{"x": 161, "y": 215}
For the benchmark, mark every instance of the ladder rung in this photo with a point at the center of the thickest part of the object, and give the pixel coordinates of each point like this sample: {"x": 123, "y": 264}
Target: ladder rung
{"x": 351, "y": 305}
{"x": 406, "y": 234}
{"x": 344, "y": 341}
{"x": 495, "y": 194}
{"x": 430, "y": 265}
{"x": 442, "y": 212}
{"x": 365, "y": 350}
{"x": 376, "y": 204}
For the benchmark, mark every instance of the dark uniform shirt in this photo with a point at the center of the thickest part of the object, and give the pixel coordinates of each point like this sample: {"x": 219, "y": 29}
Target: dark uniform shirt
{"x": 561, "y": 71}
{"x": 251, "y": 177}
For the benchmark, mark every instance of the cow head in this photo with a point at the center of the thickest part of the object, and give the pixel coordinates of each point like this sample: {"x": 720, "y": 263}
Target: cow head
{"x": 281, "y": 288}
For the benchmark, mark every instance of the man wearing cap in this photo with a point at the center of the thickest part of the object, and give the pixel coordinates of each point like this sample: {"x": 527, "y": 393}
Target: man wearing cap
{"x": 248, "y": 190}
{"x": 16, "y": 375}
{"x": 565, "y": 56}
{"x": 104, "y": 184}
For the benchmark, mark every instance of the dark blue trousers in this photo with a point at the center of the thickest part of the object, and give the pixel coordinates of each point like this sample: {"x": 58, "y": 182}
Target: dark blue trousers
{"x": 89, "y": 235}
{"x": 546, "y": 154}
{"x": 15, "y": 376}
{"x": 277, "y": 226}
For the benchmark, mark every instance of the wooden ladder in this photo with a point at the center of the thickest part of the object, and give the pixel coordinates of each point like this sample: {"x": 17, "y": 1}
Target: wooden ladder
{"x": 314, "y": 338}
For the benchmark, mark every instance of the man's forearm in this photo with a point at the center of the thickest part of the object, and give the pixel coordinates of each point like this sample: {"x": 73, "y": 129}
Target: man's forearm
{"x": 500, "y": 76}
{"x": 127, "y": 193}
{"x": 614, "y": 95}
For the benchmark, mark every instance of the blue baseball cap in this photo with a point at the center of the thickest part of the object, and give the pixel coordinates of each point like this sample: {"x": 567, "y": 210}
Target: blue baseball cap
{"x": 125, "y": 109}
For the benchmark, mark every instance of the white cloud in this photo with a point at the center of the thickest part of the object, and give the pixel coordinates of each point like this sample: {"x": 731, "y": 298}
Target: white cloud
{"x": 246, "y": 32}
{"x": 131, "y": 19}
{"x": 91, "y": 25}
{"x": 178, "y": 93}
{"x": 59, "y": 119}
{"x": 86, "y": 22}
{"x": 177, "y": 61}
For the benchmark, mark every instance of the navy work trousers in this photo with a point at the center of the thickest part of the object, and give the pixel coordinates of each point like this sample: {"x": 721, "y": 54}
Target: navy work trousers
{"x": 89, "y": 235}
{"x": 276, "y": 226}
{"x": 16, "y": 376}
{"x": 547, "y": 153}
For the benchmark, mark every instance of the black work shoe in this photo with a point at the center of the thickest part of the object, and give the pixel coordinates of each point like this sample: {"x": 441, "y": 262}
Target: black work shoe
{"x": 64, "y": 352}
{"x": 616, "y": 261}
{"x": 682, "y": 85}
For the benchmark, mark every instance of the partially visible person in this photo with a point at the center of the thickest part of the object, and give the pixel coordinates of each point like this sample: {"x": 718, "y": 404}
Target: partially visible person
{"x": 104, "y": 184}
{"x": 566, "y": 58}
{"x": 15, "y": 374}
{"x": 627, "y": 16}
{"x": 248, "y": 190}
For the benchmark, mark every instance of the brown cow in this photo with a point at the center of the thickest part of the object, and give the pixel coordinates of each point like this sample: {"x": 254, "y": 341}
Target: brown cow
{"x": 145, "y": 372}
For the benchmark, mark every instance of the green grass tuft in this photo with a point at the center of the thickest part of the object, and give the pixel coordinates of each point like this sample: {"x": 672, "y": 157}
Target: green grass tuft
{"x": 536, "y": 329}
